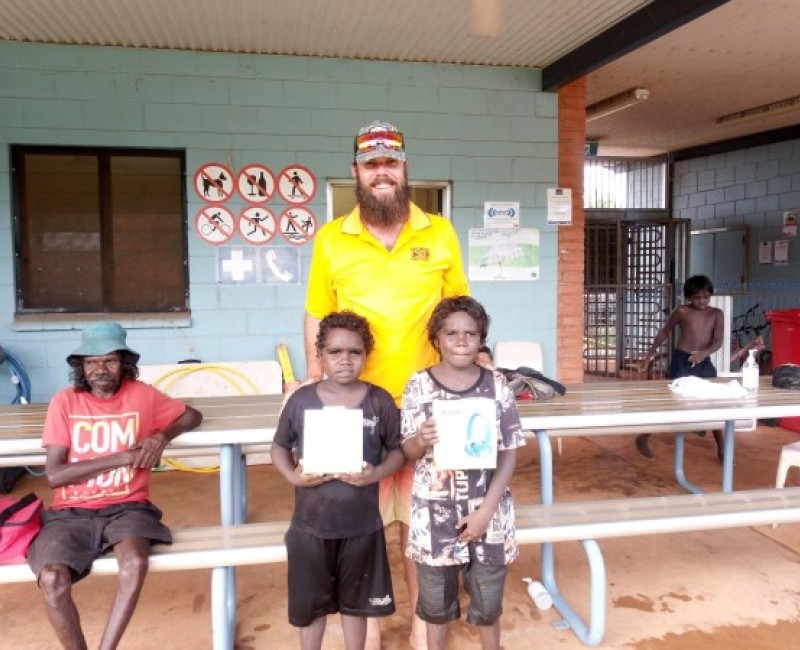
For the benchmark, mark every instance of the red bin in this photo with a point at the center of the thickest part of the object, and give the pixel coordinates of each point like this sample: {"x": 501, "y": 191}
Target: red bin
{"x": 786, "y": 347}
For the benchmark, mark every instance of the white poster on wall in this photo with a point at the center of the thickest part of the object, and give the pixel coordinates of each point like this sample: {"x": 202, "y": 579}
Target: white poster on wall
{"x": 559, "y": 206}
{"x": 789, "y": 224}
{"x": 781, "y": 252}
{"x": 765, "y": 252}
{"x": 503, "y": 254}
{"x": 501, "y": 214}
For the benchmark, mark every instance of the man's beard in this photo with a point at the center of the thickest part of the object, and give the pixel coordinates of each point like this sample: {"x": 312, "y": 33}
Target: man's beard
{"x": 384, "y": 211}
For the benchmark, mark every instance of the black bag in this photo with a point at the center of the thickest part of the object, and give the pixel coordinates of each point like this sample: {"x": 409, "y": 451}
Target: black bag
{"x": 528, "y": 383}
{"x": 9, "y": 476}
{"x": 787, "y": 375}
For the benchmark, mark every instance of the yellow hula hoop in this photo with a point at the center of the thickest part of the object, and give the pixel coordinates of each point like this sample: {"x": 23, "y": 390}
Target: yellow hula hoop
{"x": 182, "y": 467}
{"x": 229, "y": 374}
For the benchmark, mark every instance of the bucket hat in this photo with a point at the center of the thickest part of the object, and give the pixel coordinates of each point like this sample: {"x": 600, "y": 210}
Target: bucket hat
{"x": 102, "y": 338}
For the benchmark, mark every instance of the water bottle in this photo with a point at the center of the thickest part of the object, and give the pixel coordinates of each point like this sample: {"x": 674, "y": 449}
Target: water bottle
{"x": 750, "y": 373}
{"x": 538, "y": 594}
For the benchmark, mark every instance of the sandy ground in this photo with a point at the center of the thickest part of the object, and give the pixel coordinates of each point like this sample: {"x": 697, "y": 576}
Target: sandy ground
{"x": 732, "y": 589}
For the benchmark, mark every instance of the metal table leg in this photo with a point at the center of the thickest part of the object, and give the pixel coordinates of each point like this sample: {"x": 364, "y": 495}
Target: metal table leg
{"x": 223, "y": 579}
{"x": 591, "y": 634}
{"x": 680, "y": 474}
{"x": 727, "y": 461}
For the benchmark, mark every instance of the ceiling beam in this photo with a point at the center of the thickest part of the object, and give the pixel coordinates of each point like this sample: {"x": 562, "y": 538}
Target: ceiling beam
{"x": 649, "y": 23}
{"x": 736, "y": 144}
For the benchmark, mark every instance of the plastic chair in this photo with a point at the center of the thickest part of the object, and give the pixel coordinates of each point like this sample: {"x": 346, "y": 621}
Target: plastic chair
{"x": 790, "y": 457}
{"x": 517, "y": 354}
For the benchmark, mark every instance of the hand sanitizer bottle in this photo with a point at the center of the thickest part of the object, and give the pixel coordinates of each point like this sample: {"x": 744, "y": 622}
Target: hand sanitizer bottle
{"x": 538, "y": 594}
{"x": 750, "y": 373}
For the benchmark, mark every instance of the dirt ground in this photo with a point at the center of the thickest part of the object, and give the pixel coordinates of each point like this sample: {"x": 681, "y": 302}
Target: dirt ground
{"x": 734, "y": 589}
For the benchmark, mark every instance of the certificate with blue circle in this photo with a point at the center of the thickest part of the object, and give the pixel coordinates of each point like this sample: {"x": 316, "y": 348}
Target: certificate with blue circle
{"x": 467, "y": 431}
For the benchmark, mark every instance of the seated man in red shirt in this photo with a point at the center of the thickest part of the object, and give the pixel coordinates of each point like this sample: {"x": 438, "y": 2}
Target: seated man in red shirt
{"x": 103, "y": 435}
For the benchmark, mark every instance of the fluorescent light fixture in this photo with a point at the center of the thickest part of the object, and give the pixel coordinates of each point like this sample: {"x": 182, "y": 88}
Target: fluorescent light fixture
{"x": 616, "y": 103}
{"x": 765, "y": 110}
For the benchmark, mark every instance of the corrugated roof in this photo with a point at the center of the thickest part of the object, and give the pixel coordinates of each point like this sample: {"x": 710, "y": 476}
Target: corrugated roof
{"x": 530, "y": 33}
{"x": 737, "y": 56}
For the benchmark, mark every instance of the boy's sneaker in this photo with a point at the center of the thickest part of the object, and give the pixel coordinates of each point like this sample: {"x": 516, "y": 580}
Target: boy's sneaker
{"x": 643, "y": 446}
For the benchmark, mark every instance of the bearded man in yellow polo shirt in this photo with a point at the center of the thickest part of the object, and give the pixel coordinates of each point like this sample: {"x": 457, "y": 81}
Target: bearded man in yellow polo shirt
{"x": 392, "y": 263}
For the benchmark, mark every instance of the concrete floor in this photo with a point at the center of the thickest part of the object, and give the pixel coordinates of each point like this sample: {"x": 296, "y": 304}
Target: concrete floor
{"x": 731, "y": 589}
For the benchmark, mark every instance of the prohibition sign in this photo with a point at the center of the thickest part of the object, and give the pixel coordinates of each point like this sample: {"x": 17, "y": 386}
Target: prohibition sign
{"x": 214, "y": 224}
{"x": 298, "y": 225}
{"x": 257, "y": 225}
{"x": 255, "y": 183}
{"x": 297, "y": 184}
{"x": 213, "y": 182}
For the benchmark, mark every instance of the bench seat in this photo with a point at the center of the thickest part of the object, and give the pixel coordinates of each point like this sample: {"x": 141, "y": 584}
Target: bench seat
{"x": 589, "y": 521}
{"x": 219, "y": 548}
{"x": 677, "y": 513}
{"x": 194, "y": 548}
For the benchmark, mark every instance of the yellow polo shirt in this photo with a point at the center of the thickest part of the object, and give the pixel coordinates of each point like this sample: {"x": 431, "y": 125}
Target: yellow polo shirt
{"x": 394, "y": 290}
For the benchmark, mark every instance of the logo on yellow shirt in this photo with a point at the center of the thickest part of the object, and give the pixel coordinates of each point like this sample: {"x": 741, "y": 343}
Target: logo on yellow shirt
{"x": 420, "y": 254}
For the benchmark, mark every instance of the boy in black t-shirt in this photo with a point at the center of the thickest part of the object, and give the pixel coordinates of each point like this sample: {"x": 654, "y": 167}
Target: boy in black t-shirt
{"x": 335, "y": 543}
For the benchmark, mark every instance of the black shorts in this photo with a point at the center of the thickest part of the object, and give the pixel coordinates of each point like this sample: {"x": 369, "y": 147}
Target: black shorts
{"x": 349, "y": 575}
{"x": 438, "y": 592}
{"x": 680, "y": 366}
{"x": 77, "y": 536}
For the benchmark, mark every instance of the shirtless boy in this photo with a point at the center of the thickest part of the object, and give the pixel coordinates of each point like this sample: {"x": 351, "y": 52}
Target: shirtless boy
{"x": 701, "y": 330}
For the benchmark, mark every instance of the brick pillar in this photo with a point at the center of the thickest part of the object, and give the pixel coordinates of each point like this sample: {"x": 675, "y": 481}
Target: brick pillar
{"x": 571, "y": 138}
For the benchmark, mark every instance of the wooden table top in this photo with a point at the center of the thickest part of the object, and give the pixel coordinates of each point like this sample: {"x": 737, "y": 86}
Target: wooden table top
{"x": 609, "y": 404}
{"x": 251, "y": 419}
{"x": 245, "y": 419}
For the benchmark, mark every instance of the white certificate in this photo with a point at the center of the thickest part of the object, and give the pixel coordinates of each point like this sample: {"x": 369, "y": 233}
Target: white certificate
{"x": 467, "y": 431}
{"x": 333, "y": 440}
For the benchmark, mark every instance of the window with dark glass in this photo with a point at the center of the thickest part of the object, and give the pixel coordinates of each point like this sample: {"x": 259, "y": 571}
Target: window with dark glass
{"x": 99, "y": 230}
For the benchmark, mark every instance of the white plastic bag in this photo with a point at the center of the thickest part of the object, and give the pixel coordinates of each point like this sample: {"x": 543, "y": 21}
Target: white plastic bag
{"x": 706, "y": 389}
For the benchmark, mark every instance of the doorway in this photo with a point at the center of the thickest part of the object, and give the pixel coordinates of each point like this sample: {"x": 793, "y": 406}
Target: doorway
{"x": 632, "y": 263}
{"x": 720, "y": 254}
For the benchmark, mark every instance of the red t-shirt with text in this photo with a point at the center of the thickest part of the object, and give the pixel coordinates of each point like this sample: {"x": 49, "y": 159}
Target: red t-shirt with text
{"x": 91, "y": 428}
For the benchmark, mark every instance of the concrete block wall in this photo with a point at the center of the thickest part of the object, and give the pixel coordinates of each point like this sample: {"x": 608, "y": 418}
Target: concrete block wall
{"x": 750, "y": 187}
{"x": 489, "y": 131}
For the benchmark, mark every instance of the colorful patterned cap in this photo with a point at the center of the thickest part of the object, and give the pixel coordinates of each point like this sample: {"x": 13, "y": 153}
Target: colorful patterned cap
{"x": 379, "y": 140}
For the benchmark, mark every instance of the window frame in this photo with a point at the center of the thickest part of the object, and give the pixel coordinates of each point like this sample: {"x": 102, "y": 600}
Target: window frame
{"x": 104, "y": 157}
{"x": 444, "y": 188}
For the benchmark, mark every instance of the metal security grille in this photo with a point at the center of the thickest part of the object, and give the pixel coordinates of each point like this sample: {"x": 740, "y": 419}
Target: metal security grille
{"x": 621, "y": 322}
{"x": 625, "y": 183}
{"x": 631, "y": 266}
{"x": 634, "y": 251}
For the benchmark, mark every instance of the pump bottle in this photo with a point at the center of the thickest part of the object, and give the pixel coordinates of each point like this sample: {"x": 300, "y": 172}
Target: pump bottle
{"x": 750, "y": 373}
{"x": 538, "y": 594}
